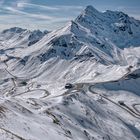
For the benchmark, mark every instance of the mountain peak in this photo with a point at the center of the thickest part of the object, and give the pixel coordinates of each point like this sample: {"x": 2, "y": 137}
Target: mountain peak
{"x": 88, "y": 15}
{"x": 14, "y": 30}
{"x": 90, "y": 10}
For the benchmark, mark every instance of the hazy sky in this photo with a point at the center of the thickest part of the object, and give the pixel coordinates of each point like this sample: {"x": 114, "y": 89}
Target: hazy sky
{"x": 52, "y": 14}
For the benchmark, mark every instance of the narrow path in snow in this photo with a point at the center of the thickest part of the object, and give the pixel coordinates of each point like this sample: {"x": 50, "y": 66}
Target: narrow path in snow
{"x": 124, "y": 107}
{"x": 45, "y": 91}
{"x": 15, "y": 78}
{"x": 13, "y": 134}
{"x": 135, "y": 108}
{"x": 79, "y": 87}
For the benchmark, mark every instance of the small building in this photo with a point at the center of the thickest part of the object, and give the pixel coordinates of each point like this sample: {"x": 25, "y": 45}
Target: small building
{"x": 68, "y": 86}
{"x": 121, "y": 103}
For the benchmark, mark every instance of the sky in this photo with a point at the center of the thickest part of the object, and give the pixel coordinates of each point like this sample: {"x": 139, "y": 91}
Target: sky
{"x": 53, "y": 14}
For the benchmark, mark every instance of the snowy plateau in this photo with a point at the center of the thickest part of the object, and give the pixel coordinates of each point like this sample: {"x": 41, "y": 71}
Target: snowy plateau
{"x": 98, "y": 53}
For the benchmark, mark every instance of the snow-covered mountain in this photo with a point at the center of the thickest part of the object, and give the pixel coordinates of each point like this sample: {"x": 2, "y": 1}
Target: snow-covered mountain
{"x": 92, "y": 35}
{"x": 99, "y": 53}
{"x": 116, "y": 27}
{"x": 21, "y": 37}
{"x": 17, "y": 39}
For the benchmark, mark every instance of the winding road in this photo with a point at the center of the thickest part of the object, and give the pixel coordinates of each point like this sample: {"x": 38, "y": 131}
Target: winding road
{"x": 135, "y": 113}
{"x": 135, "y": 108}
{"x": 78, "y": 87}
{"x": 15, "y": 78}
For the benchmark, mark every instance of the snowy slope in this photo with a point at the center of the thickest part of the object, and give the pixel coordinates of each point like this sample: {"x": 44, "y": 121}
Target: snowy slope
{"x": 92, "y": 35}
{"x": 99, "y": 53}
{"x": 115, "y": 26}
{"x": 15, "y": 38}
{"x": 78, "y": 114}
